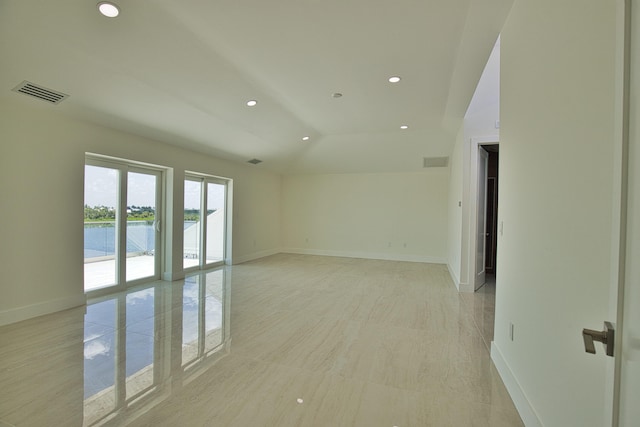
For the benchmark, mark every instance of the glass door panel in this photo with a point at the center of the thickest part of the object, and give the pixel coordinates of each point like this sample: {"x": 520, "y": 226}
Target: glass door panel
{"x": 215, "y": 235}
{"x": 121, "y": 224}
{"x": 192, "y": 223}
{"x": 141, "y": 225}
{"x": 100, "y": 225}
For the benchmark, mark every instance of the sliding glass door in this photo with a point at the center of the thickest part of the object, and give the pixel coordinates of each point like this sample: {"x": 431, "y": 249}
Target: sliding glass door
{"x": 121, "y": 224}
{"x": 192, "y": 222}
{"x": 143, "y": 224}
{"x": 215, "y": 233}
{"x": 101, "y": 207}
{"x": 204, "y": 221}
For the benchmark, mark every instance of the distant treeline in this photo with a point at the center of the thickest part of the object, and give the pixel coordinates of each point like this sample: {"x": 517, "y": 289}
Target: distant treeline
{"x": 194, "y": 214}
{"x": 134, "y": 213}
{"x": 105, "y": 213}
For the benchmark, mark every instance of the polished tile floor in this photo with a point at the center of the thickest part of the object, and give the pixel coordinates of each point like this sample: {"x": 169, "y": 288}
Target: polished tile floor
{"x": 287, "y": 340}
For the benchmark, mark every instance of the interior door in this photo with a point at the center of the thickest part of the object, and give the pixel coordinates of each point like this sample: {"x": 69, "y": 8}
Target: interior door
{"x": 481, "y": 225}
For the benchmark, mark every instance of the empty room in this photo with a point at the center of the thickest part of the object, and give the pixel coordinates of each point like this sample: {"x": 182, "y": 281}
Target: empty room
{"x": 305, "y": 213}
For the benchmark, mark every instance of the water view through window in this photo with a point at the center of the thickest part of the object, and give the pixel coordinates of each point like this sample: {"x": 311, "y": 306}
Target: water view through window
{"x": 120, "y": 236}
{"x": 141, "y": 220}
{"x": 100, "y": 214}
{"x": 192, "y": 213}
{"x": 204, "y": 221}
{"x": 122, "y": 223}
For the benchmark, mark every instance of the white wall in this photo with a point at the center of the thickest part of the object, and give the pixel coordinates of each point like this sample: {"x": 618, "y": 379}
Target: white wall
{"x": 556, "y": 182}
{"x": 479, "y": 122}
{"x": 42, "y": 156}
{"x": 456, "y": 184}
{"x": 398, "y": 216}
{"x": 484, "y": 108}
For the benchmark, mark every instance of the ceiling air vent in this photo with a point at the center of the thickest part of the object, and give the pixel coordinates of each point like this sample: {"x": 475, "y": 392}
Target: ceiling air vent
{"x": 436, "y": 162}
{"x": 40, "y": 92}
{"x": 254, "y": 161}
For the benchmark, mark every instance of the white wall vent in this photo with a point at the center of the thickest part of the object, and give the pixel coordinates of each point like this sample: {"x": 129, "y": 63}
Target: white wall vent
{"x": 435, "y": 162}
{"x": 40, "y": 92}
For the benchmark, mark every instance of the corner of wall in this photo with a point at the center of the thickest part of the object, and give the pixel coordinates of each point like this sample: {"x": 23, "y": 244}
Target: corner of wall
{"x": 255, "y": 255}
{"x": 454, "y": 276}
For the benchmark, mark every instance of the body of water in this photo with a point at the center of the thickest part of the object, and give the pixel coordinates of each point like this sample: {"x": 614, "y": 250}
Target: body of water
{"x": 100, "y": 237}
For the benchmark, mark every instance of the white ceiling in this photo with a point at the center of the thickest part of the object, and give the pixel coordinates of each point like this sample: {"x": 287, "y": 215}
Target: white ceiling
{"x": 182, "y": 71}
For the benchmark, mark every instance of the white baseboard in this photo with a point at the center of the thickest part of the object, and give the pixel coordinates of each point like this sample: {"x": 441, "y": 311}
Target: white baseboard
{"x": 454, "y": 277}
{"x": 35, "y": 310}
{"x": 367, "y": 255}
{"x": 173, "y": 276}
{"x": 466, "y": 287}
{"x": 462, "y": 287}
{"x": 254, "y": 255}
{"x": 526, "y": 411}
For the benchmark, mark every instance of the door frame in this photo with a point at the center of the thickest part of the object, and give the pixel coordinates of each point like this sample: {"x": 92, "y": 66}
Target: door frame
{"x": 226, "y": 246}
{"x": 470, "y": 214}
{"x": 123, "y": 167}
{"x": 479, "y": 278}
{"x": 621, "y": 142}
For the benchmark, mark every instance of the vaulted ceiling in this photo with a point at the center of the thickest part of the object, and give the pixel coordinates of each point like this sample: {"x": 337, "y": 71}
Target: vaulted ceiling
{"x": 182, "y": 72}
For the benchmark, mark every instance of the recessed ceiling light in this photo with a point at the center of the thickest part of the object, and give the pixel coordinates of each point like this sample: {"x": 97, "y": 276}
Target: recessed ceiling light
{"x": 403, "y": 127}
{"x": 306, "y": 138}
{"x": 394, "y": 79}
{"x": 252, "y": 103}
{"x": 108, "y": 9}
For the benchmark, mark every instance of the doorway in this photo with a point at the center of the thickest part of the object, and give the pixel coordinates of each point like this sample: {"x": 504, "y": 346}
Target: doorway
{"x": 205, "y": 221}
{"x": 491, "y": 210}
{"x": 121, "y": 224}
{"x": 484, "y": 212}
{"x": 483, "y": 299}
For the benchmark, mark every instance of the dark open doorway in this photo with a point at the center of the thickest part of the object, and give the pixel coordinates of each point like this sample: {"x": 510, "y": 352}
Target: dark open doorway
{"x": 492, "y": 209}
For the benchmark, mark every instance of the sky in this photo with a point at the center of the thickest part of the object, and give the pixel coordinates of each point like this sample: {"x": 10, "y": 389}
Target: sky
{"x": 100, "y": 189}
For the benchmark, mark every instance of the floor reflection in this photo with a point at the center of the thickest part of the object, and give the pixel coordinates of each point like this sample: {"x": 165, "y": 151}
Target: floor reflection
{"x": 140, "y": 344}
{"x": 316, "y": 341}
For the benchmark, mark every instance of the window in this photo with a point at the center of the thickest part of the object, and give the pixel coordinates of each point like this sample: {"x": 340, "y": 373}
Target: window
{"x": 121, "y": 224}
{"x": 204, "y": 221}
